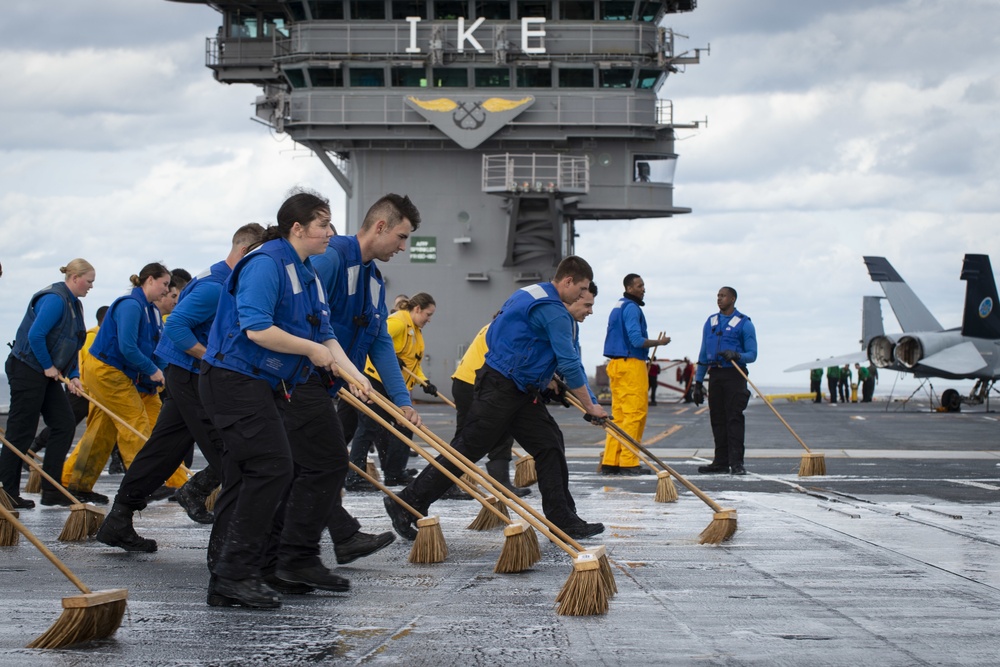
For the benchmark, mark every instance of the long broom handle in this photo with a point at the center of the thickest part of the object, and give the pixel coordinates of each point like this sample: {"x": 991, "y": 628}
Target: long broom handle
{"x": 622, "y": 436}
{"x": 384, "y": 489}
{"x": 740, "y": 371}
{"x": 109, "y": 412}
{"x": 525, "y": 511}
{"x": 9, "y": 516}
{"x": 37, "y": 467}
{"x": 423, "y": 383}
{"x": 422, "y": 452}
{"x": 662, "y": 334}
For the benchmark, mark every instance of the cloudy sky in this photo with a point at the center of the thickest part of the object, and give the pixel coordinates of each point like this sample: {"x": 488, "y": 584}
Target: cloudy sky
{"x": 835, "y": 130}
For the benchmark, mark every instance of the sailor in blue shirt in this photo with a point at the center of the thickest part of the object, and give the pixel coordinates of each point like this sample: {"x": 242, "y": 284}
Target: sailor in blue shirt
{"x": 182, "y": 417}
{"x": 45, "y": 349}
{"x": 728, "y": 338}
{"x": 531, "y": 339}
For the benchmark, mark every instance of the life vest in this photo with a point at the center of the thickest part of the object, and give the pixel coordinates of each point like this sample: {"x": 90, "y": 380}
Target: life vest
{"x": 515, "y": 349}
{"x": 725, "y": 334}
{"x": 616, "y": 343}
{"x": 63, "y": 341}
{"x": 167, "y": 351}
{"x": 301, "y": 310}
{"x": 106, "y": 345}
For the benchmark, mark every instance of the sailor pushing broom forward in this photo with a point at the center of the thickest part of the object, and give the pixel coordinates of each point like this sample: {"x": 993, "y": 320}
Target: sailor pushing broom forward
{"x": 529, "y": 341}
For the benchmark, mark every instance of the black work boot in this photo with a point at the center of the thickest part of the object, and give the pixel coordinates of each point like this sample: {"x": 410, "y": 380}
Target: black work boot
{"x": 117, "y": 531}
{"x": 500, "y": 471}
{"x": 195, "y": 492}
{"x": 360, "y": 545}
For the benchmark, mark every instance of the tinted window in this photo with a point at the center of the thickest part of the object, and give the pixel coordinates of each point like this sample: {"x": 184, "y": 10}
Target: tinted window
{"x": 648, "y": 78}
{"x": 409, "y": 77}
{"x": 493, "y": 9}
{"x": 583, "y": 10}
{"x": 534, "y": 78}
{"x": 450, "y": 9}
{"x": 367, "y": 77}
{"x": 367, "y": 9}
{"x": 616, "y": 10}
{"x": 403, "y": 8}
{"x": 616, "y": 78}
{"x": 493, "y": 77}
{"x": 576, "y": 78}
{"x": 326, "y": 77}
{"x": 296, "y": 77}
{"x": 450, "y": 78}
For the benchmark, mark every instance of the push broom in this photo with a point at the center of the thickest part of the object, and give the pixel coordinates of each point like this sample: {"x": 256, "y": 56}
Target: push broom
{"x": 34, "y": 483}
{"x": 520, "y": 549}
{"x": 85, "y": 617}
{"x": 84, "y": 519}
{"x": 812, "y": 463}
{"x": 8, "y": 533}
{"x": 578, "y": 596}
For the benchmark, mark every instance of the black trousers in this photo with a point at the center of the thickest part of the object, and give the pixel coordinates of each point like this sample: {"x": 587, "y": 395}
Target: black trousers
{"x": 393, "y": 455}
{"x": 81, "y": 407}
{"x": 815, "y": 387}
{"x": 461, "y": 393}
{"x": 868, "y": 390}
{"x": 498, "y": 408}
{"x": 32, "y": 395}
{"x": 727, "y": 399}
{"x": 832, "y": 384}
{"x": 182, "y": 420}
{"x": 256, "y": 468}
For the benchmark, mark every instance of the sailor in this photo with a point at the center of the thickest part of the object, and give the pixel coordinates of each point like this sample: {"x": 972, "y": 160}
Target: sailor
{"x": 833, "y": 381}
{"x": 816, "y": 384}
{"x": 728, "y": 339}
{"x": 626, "y": 345}
{"x": 182, "y": 417}
{"x": 46, "y": 349}
{"x": 271, "y": 329}
{"x": 530, "y": 339}
{"x": 126, "y": 380}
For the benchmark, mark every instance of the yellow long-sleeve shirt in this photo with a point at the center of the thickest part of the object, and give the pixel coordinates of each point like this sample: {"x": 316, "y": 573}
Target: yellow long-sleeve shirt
{"x": 408, "y": 342}
{"x": 473, "y": 359}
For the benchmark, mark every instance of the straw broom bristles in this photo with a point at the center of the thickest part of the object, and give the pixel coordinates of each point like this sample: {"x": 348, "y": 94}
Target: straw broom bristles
{"x": 723, "y": 527}
{"x": 5, "y": 500}
{"x": 34, "y": 483}
{"x": 372, "y": 470}
{"x": 604, "y": 567}
{"x": 584, "y": 593}
{"x": 520, "y": 549}
{"x": 812, "y": 463}
{"x": 429, "y": 547}
{"x": 212, "y": 497}
{"x": 487, "y": 520}
{"x": 524, "y": 471}
{"x": 8, "y": 533}
{"x": 666, "y": 492}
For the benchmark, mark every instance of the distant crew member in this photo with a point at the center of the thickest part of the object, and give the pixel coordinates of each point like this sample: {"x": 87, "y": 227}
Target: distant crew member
{"x": 868, "y": 388}
{"x": 845, "y": 384}
{"x": 654, "y": 373}
{"x": 833, "y": 382}
{"x": 816, "y": 384}
{"x": 728, "y": 339}
{"x": 627, "y": 345}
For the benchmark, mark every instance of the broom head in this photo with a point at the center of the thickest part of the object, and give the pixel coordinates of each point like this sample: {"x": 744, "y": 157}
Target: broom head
{"x": 83, "y": 521}
{"x": 723, "y": 527}
{"x": 519, "y": 551}
{"x": 666, "y": 492}
{"x": 85, "y": 618}
{"x": 5, "y": 500}
{"x": 487, "y": 520}
{"x": 604, "y": 566}
{"x": 8, "y": 533}
{"x": 524, "y": 471}
{"x": 372, "y": 471}
{"x": 583, "y": 594}
{"x": 34, "y": 484}
{"x": 212, "y": 497}
{"x": 429, "y": 547}
{"x": 812, "y": 464}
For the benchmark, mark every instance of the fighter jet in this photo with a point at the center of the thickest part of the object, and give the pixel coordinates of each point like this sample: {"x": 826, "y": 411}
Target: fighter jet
{"x": 925, "y": 348}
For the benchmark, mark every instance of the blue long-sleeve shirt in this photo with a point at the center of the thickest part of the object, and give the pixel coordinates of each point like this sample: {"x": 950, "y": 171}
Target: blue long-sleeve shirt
{"x": 48, "y": 312}
{"x": 199, "y": 305}
{"x": 128, "y": 315}
{"x": 556, "y": 321}
{"x": 257, "y": 297}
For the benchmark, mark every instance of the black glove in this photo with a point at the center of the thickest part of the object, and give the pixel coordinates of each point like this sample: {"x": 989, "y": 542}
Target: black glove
{"x": 730, "y": 355}
{"x": 698, "y": 393}
{"x": 430, "y": 389}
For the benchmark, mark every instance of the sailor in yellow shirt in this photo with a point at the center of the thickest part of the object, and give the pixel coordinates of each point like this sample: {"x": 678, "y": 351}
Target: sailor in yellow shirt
{"x": 405, "y": 326}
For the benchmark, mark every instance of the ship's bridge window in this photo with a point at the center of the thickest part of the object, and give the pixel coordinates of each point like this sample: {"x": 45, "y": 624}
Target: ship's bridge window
{"x": 368, "y": 9}
{"x": 243, "y": 26}
{"x": 492, "y": 77}
{"x": 616, "y": 78}
{"x": 326, "y": 77}
{"x": 576, "y": 77}
{"x": 616, "y": 10}
{"x": 648, "y": 78}
{"x": 409, "y": 77}
{"x": 275, "y": 25}
{"x": 403, "y": 8}
{"x": 324, "y": 10}
{"x": 450, "y": 77}
{"x": 450, "y": 10}
{"x": 647, "y": 11}
{"x": 296, "y": 77}
{"x": 534, "y": 8}
{"x": 493, "y": 9}
{"x": 576, "y": 11}
{"x": 534, "y": 77}
{"x": 654, "y": 168}
{"x": 367, "y": 77}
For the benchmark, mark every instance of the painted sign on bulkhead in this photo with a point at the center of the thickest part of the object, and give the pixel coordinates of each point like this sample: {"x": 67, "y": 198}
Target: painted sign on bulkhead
{"x": 423, "y": 249}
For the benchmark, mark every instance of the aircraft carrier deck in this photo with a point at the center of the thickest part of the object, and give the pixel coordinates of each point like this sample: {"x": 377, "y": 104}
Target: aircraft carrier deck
{"x": 891, "y": 559}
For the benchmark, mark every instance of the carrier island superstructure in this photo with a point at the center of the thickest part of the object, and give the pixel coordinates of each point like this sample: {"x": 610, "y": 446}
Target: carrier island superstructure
{"x": 505, "y": 121}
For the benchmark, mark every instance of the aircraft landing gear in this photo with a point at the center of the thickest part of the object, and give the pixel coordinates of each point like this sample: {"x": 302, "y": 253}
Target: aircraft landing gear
{"x": 951, "y": 400}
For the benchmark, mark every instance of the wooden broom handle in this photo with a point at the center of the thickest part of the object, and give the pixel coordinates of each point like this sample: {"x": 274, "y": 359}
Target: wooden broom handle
{"x": 740, "y": 371}
{"x": 423, "y": 383}
{"x": 9, "y": 516}
{"x": 37, "y": 467}
{"x": 353, "y": 400}
{"x": 384, "y": 489}
{"x": 109, "y": 413}
{"x": 525, "y": 511}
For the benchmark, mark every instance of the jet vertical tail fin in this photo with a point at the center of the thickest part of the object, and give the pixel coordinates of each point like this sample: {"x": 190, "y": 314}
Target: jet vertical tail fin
{"x": 910, "y": 311}
{"x": 981, "y": 318}
{"x": 871, "y": 320}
